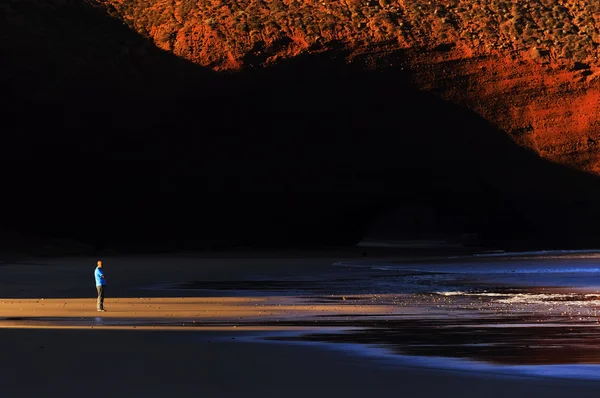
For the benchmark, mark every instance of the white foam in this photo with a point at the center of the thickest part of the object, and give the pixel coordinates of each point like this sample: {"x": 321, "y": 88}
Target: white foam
{"x": 565, "y": 299}
{"x": 548, "y": 300}
{"x": 460, "y": 293}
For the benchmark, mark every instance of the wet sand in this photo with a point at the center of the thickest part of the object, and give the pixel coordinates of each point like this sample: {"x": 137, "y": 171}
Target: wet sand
{"x": 96, "y": 363}
{"x": 158, "y": 339}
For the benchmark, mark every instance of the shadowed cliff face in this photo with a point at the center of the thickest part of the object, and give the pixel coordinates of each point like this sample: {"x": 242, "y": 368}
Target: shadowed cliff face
{"x": 141, "y": 147}
{"x": 530, "y": 68}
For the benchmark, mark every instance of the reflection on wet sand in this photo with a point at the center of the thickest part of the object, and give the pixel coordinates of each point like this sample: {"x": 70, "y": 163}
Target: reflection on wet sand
{"x": 528, "y": 341}
{"x": 508, "y": 326}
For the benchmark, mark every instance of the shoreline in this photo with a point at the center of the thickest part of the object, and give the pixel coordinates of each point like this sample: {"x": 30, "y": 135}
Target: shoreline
{"x": 408, "y": 326}
{"x": 412, "y": 332}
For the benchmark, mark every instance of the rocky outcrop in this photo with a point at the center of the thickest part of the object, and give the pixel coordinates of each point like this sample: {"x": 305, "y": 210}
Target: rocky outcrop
{"x": 552, "y": 110}
{"x": 531, "y": 68}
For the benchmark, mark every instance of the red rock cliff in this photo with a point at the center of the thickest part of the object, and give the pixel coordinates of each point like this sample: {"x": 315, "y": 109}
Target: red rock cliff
{"x": 531, "y": 68}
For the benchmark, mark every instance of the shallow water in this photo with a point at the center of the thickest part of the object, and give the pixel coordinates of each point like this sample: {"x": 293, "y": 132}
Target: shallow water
{"x": 573, "y": 269}
{"x": 534, "y": 313}
{"x": 527, "y": 313}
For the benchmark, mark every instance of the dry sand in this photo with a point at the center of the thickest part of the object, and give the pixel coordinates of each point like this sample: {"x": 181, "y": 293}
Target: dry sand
{"x": 161, "y": 343}
{"x": 168, "y": 313}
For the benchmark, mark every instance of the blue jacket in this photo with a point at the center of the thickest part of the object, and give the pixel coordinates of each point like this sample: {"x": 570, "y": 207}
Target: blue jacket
{"x": 99, "y": 276}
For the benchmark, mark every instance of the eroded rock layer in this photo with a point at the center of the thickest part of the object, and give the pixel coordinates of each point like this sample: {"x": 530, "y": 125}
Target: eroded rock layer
{"x": 531, "y": 68}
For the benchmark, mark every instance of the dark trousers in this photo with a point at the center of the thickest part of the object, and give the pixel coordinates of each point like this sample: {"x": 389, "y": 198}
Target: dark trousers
{"x": 100, "y": 303}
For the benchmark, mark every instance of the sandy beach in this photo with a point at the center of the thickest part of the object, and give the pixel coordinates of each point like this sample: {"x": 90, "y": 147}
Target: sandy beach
{"x": 174, "y": 327}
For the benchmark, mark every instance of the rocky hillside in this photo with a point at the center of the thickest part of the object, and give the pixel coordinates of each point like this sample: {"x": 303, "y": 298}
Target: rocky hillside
{"x": 223, "y": 34}
{"x": 194, "y": 123}
{"x": 531, "y": 68}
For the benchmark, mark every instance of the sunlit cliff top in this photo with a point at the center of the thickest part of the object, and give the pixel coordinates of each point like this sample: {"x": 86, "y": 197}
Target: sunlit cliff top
{"x": 221, "y": 33}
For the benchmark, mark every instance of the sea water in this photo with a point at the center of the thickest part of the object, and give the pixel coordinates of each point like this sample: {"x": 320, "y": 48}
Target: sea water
{"x": 534, "y": 313}
{"x": 577, "y": 270}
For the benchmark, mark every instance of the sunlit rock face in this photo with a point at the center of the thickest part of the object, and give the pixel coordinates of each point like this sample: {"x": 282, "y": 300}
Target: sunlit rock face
{"x": 531, "y": 68}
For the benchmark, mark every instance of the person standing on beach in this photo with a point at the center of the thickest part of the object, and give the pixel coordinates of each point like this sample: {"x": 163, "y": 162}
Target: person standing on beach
{"x": 100, "y": 284}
